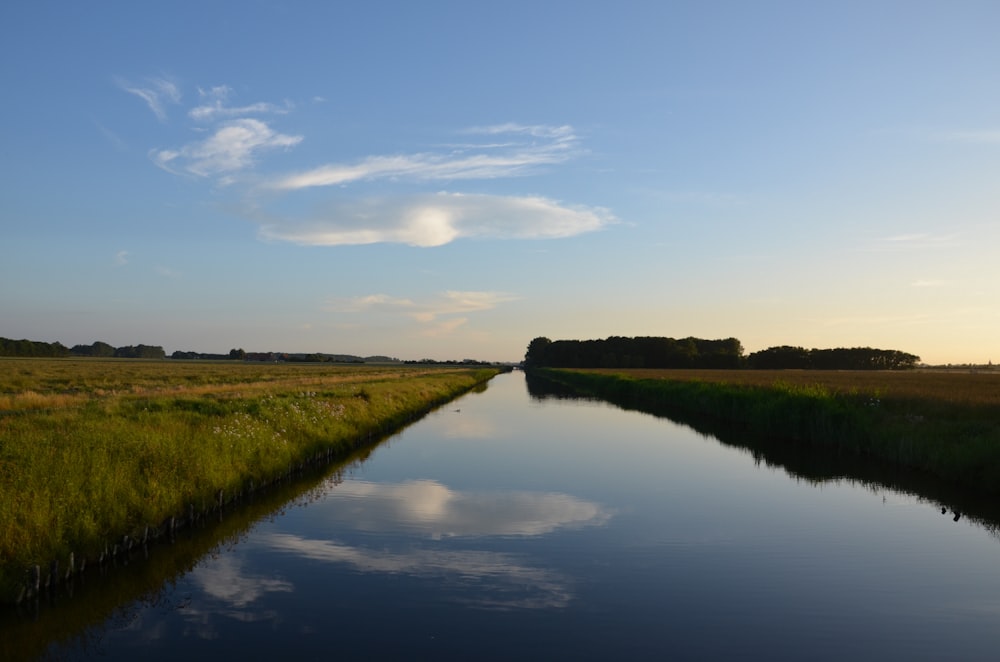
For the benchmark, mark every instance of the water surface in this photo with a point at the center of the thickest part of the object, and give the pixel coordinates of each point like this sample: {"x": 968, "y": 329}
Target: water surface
{"x": 505, "y": 526}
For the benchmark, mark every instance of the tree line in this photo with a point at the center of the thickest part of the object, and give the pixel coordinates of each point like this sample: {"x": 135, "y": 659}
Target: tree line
{"x": 658, "y": 352}
{"x": 35, "y": 348}
{"x": 841, "y": 358}
{"x": 642, "y": 352}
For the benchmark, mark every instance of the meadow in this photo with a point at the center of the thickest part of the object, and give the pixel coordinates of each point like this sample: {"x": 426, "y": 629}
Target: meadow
{"x": 96, "y": 453}
{"x": 945, "y": 424}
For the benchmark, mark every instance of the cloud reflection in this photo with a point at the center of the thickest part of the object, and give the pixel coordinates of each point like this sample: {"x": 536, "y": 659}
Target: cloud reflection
{"x": 500, "y": 581}
{"x": 431, "y": 511}
{"x": 225, "y": 580}
{"x": 427, "y": 507}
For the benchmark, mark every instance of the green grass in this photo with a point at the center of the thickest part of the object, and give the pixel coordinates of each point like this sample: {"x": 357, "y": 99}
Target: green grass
{"x": 914, "y": 422}
{"x": 93, "y": 450}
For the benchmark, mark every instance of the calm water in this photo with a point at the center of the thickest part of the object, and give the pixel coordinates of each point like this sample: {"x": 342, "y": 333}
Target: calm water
{"x": 503, "y": 526}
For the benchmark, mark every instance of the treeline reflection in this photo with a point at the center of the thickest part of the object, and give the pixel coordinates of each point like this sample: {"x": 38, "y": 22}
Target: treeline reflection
{"x": 802, "y": 461}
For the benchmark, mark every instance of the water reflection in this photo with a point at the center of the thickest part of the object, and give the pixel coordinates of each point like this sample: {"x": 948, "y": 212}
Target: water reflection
{"x": 801, "y": 461}
{"x": 572, "y": 530}
{"x": 426, "y": 507}
{"x": 473, "y": 577}
{"x": 404, "y": 526}
{"x": 227, "y": 581}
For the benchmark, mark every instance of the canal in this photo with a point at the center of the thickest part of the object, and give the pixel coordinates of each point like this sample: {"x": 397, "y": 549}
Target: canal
{"x": 511, "y": 524}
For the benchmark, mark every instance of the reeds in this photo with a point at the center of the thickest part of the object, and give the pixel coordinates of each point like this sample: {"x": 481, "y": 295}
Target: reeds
{"x": 93, "y": 450}
{"x": 944, "y": 424}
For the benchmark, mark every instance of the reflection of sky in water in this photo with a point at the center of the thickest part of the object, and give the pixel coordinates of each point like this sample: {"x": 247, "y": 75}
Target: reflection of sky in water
{"x": 426, "y": 507}
{"x": 589, "y": 530}
{"x": 403, "y": 523}
{"x": 500, "y": 580}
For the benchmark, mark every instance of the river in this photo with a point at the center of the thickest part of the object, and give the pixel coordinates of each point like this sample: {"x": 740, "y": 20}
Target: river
{"x": 507, "y": 526}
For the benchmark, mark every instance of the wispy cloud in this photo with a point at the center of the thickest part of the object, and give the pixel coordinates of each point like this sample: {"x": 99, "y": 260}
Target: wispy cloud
{"x": 438, "y": 219}
{"x": 167, "y": 272}
{"x": 912, "y": 242}
{"x": 546, "y": 145}
{"x": 112, "y": 137}
{"x": 450, "y": 303}
{"x": 156, "y": 92}
{"x": 232, "y": 147}
{"x": 215, "y": 105}
{"x": 121, "y": 258}
{"x": 977, "y": 137}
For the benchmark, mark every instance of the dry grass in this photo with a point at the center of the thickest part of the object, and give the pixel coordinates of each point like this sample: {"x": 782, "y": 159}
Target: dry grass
{"x": 981, "y": 389}
{"x": 93, "y": 449}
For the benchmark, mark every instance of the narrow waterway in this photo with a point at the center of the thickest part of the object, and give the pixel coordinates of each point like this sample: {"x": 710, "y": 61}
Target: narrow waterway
{"x": 506, "y": 526}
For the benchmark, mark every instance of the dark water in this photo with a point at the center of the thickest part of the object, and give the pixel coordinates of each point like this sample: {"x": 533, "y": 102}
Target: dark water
{"x": 505, "y": 526}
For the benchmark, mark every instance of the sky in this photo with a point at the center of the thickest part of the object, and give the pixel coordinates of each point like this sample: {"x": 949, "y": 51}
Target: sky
{"x": 450, "y": 180}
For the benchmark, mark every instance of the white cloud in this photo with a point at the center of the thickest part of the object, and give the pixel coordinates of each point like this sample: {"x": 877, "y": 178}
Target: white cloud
{"x": 232, "y": 147}
{"x": 156, "y": 93}
{"x": 429, "y": 313}
{"x": 216, "y": 106}
{"x": 488, "y": 161}
{"x": 438, "y": 219}
{"x": 121, "y": 258}
{"x": 235, "y": 144}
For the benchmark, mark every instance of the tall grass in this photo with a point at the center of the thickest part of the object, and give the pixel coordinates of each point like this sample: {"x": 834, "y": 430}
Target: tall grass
{"x": 135, "y": 444}
{"x": 952, "y": 434}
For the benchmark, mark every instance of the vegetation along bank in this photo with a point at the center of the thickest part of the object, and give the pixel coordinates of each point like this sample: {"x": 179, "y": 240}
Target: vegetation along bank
{"x": 100, "y": 454}
{"x": 943, "y": 423}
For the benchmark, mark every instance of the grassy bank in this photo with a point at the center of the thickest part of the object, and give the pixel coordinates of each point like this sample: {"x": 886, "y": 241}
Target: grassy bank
{"x": 944, "y": 424}
{"x": 94, "y": 450}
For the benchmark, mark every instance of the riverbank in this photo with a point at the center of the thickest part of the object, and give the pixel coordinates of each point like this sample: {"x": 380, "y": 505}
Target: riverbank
{"x": 944, "y": 424}
{"x": 97, "y": 456}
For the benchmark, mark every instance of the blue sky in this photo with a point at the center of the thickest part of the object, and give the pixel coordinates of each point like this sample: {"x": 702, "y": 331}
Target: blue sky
{"x": 452, "y": 179}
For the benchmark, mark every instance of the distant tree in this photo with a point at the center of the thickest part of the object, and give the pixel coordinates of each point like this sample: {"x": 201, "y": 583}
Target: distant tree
{"x": 642, "y": 352}
{"x": 140, "y": 352}
{"x": 237, "y": 354}
{"x": 26, "y": 347}
{"x": 535, "y": 356}
{"x": 839, "y": 358}
{"x": 779, "y": 358}
{"x": 95, "y": 349}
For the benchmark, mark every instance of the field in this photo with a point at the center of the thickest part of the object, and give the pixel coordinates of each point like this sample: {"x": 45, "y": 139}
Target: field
{"x": 94, "y": 450}
{"x": 954, "y": 388}
{"x": 944, "y": 424}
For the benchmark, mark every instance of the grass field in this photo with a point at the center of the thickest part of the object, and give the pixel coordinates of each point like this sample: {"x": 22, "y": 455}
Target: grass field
{"x": 946, "y": 424}
{"x": 954, "y": 388}
{"x": 92, "y": 450}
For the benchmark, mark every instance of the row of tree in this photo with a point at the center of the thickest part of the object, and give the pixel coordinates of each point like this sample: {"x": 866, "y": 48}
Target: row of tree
{"x": 23, "y": 347}
{"x": 35, "y": 348}
{"x": 642, "y": 352}
{"x": 656, "y": 352}
{"x": 103, "y": 349}
{"x": 841, "y": 358}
